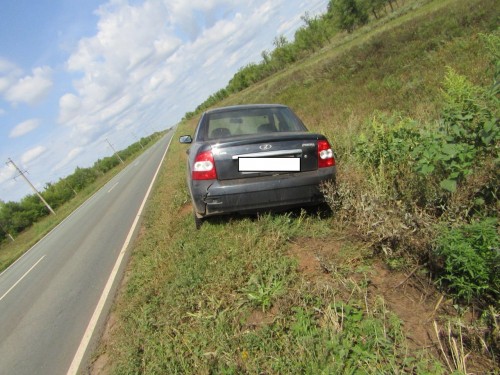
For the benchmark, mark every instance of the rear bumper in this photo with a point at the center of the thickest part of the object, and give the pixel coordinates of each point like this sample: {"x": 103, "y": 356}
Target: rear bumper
{"x": 259, "y": 194}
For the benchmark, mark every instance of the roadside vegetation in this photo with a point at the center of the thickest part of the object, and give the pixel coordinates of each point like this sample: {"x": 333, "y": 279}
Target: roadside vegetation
{"x": 23, "y": 223}
{"x": 401, "y": 276}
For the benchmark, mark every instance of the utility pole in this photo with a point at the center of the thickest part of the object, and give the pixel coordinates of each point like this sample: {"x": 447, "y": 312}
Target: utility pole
{"x": 21, "y": 173}
{"x": 135, "y": 135}
{"x": 151, "y": 135}
{"x": 118, "y": 156}
{"x": 7, "y": 233}
{"x": 71, "y": 187}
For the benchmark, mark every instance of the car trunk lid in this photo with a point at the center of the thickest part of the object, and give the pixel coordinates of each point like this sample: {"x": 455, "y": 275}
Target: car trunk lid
{"x": 229, "y": 155}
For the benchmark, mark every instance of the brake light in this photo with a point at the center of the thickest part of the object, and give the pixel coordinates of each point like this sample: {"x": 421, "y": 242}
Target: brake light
{"x": 325, "y": 154}
{"x": 204, "y": 166}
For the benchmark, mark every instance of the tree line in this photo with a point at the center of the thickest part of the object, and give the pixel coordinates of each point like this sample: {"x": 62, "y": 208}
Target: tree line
{"x": 15, "y": 217}
{"x": 341, "y": 15}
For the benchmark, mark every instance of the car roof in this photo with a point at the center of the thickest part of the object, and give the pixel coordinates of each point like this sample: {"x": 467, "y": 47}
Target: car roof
{"x": 244, "y": 106}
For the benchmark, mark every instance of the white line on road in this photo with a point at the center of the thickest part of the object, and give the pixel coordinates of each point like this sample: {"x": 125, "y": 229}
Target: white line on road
{"x": 112, "y": 187}
{"x": 22, "y": 277}
{"x": 78, "y": 358}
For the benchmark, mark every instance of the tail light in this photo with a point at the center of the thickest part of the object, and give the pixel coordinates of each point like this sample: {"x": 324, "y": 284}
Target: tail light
{"x": 325, "y": 154}
{"x": 204, "y": 166}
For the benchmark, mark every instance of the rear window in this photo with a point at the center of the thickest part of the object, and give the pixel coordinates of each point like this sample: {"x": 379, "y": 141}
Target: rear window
{"x": 234, "y": 123}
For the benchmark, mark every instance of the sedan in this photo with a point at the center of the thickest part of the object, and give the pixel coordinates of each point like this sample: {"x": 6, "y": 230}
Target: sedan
{"x": 253, "y": 158}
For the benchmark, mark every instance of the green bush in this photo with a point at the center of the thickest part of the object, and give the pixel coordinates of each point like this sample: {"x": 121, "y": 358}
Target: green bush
{"x": 471, "y": 258}
{"x": 443, "y": 154}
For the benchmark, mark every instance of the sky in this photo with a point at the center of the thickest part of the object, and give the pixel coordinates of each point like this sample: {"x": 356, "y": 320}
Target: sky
{"x": 75, "y": 73}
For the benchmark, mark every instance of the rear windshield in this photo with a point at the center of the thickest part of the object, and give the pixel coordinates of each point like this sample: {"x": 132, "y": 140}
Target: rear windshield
{"x": 242, "y": 122}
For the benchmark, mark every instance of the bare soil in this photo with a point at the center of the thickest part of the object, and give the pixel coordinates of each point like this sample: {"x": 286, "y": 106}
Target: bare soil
{"x": 408, "y": 294}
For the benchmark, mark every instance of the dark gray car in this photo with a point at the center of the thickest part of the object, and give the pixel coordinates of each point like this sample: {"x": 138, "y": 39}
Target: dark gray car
{"x": 251, "y": 158}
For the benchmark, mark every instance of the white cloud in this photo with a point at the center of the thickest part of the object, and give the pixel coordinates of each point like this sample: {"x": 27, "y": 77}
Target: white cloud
{"x": 72, "y": 154}
{"x": 6, "y": 173}
{"x": 32, "y": 154}
{"x": 24, "y": 128}
{"x": 69, "y": 104}
{"x": 9, "y": 73}
{"x": 30, "y": 89}
{"x": 121, "y": 66}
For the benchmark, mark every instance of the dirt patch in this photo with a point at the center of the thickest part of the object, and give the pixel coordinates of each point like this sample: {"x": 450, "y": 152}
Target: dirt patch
{"x": 408, "y": 294}
{"x": 185, "y": 209}
{"x": 100, "y": 365}
{"x": 415, "y": 302}
{"x": 259, "y": 318}
{"x": 310, "y": 254}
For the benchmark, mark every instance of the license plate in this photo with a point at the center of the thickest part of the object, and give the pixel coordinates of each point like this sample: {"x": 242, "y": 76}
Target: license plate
{"x": 268, "y": 164}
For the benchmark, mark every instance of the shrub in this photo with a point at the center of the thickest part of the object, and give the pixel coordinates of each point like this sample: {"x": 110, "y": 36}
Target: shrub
{"x": 471, "y": 260}
{"x": 442, "y": 154}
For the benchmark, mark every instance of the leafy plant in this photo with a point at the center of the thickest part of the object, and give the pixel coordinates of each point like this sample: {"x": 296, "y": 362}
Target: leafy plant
{"x": 446, "y": 160}
{"x": 446, "y": 151}
{"x": 492, "y": 45}
{"x": 262, "y": 290}
{"x": 471, "y": 258}
{"x": 388, "y": 141}
{"x": 468, "y": 114}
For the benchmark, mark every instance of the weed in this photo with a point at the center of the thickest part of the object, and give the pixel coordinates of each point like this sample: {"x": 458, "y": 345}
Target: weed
{"x": 471, "y": 257}
{"x": 262, "y": 290}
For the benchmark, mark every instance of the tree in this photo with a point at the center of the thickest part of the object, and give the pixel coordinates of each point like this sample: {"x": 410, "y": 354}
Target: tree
{"x": 266, "y": 58}
{"x": 82, "y": 177}
{"x": 348, "y": 13}
{"x": 4, "y": 232}
{"x": 373, "y": 6}
{"x": 57, "y": 194}
{"x": 283, "y": 54}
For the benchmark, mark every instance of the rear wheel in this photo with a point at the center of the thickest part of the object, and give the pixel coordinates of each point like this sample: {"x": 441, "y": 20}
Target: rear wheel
{"x": 198, "y": 221}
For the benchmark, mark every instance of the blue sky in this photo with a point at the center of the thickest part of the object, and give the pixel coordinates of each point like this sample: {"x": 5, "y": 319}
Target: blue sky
{"x": 74, "y": 73}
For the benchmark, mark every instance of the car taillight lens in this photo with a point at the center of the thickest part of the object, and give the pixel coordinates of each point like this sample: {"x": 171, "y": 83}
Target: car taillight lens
{"x": 325, "y": 155}
{"x": 204, "y": 166}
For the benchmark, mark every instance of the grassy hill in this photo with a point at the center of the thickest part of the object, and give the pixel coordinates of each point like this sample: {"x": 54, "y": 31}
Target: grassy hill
{"x": 380, "y": 284}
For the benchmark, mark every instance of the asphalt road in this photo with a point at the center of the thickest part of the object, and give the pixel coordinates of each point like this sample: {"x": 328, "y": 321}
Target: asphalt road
{"x": 49, "y": 296}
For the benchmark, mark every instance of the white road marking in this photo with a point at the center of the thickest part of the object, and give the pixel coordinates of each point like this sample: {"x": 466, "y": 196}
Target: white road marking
{"x": 78, "y": 358}
{"x": 22, "y": 277}
{"x": 112, "y": 187}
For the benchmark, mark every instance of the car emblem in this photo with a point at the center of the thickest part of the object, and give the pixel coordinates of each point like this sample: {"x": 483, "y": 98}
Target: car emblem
{"x": 265, "y": 147}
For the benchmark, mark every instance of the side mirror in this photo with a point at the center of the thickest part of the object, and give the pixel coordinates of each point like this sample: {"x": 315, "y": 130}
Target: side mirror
{"x": 185, "y": 139}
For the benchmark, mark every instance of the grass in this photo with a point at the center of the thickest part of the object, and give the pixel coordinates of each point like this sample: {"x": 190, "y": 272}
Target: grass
{"x": 235, "y": 297}
{"x": 229, "y": 299}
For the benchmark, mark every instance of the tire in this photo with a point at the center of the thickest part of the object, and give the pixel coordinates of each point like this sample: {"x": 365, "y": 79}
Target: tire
{"x": 198, "y": 221}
